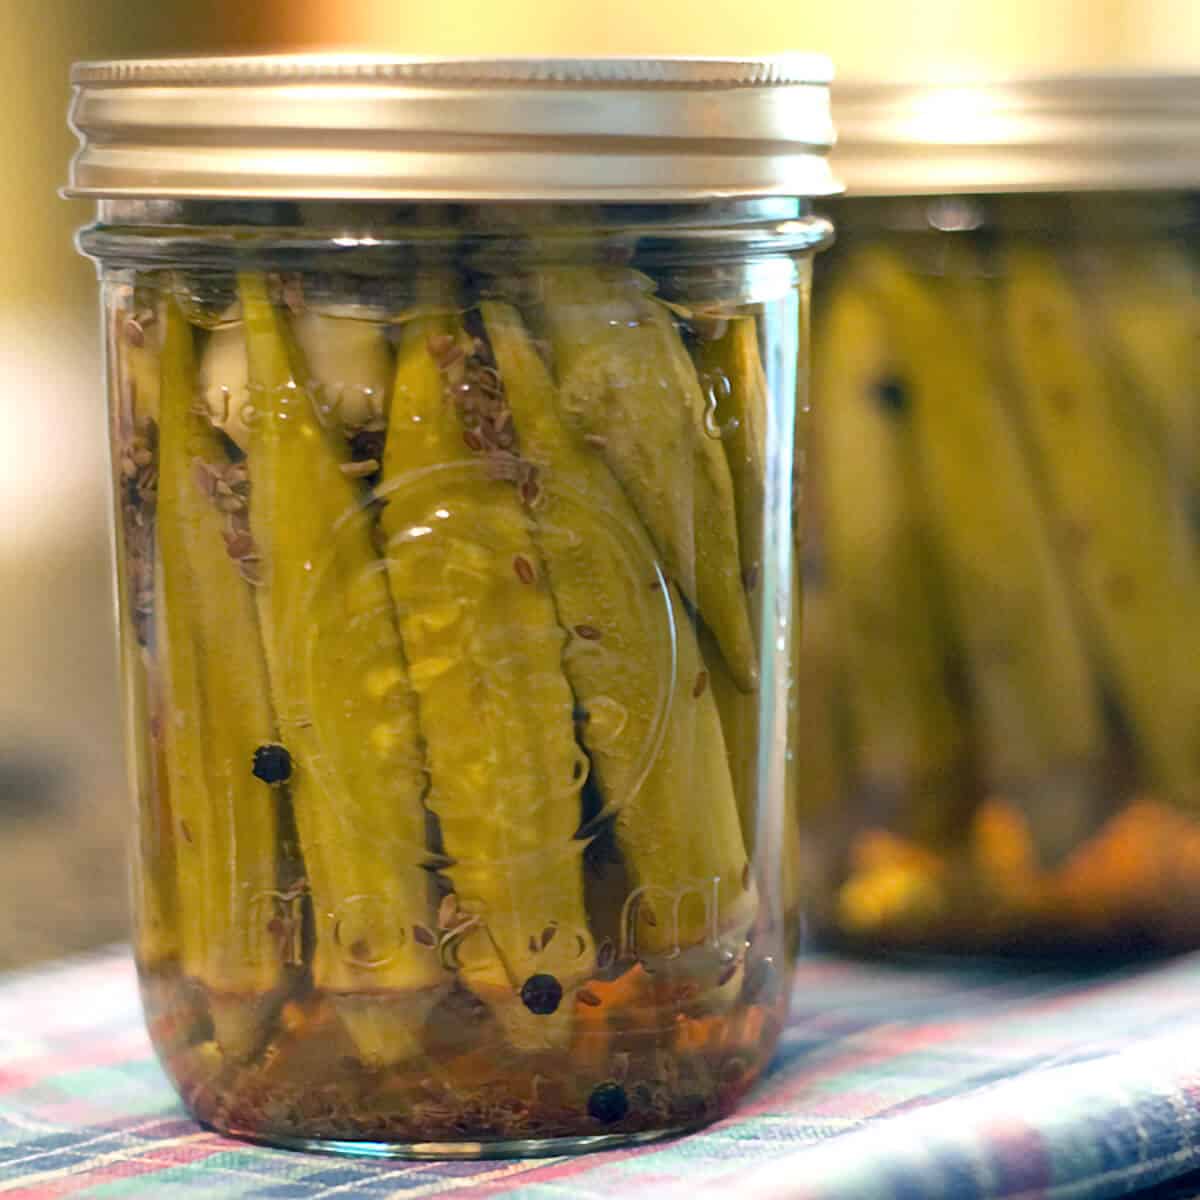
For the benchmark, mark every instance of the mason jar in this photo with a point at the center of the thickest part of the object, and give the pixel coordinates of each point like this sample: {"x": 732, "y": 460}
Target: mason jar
{"x": 452, "y": 411}
{"x": 1004, "y": 603}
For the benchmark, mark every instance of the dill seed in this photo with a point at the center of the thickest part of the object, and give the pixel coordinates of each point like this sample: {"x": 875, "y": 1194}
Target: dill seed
{"x": 473, "y": 440}
{"x": 588, "y": 632}
{"x": 588, "y": 998}
{"x": 424, "y": 936}
{"x": 272, "y": 764}
{"x": 607, "y": 1103}
{"x": 361, "y": 468}
{"x": 439, "y": 345}
{"x": 448, "y": 911}
{"x": 523, "y": 568}
{"x": 648, "y": 916}
{"x": 238, "y": 544}
{"x": 541, "y": 994}
{"x": 700, "y": 684}
{"x": 595, "y": 440}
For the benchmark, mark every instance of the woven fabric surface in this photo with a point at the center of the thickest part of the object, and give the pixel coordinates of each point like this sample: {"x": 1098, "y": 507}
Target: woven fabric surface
{"x": 893, "y": 1082}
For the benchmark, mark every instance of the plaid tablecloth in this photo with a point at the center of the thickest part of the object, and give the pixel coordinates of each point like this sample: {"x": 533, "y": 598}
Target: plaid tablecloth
{"x": 893, "y": 1082}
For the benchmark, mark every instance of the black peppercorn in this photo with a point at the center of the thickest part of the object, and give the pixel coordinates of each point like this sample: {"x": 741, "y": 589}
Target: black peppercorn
{"x": 607, "y": 1103}
{"x": 892, "y": 394}
{"x": 541, "y": 994}
{"x": 272, "y": 764}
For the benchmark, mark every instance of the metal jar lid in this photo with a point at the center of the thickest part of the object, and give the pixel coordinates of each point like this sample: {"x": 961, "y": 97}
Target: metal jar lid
{"x": 357, "y": 127}
{"x": 1067, "y": 133}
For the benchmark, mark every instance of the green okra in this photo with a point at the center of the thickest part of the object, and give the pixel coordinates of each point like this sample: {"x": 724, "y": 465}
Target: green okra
{"x": 889, "y": 620}
{"x": 1126, "y": 545}
{"x": 1031, "y": 686}
{"x": 628, "y": 385}
{"x": 1145, "y": 298}
{"x": 344, "y": 702}
{"x": 728, "y": 361}
{"x": 650, "y": 723}
{"x": 217, "y": 715}
{"x": 486, "y": 655}
{"x": 136, "y": 410}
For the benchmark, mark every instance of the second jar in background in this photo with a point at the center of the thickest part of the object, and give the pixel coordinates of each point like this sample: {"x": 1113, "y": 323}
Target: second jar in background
{"x": 1004, "y": 600}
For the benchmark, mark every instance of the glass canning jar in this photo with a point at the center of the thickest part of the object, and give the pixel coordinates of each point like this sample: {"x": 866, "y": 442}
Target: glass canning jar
{"x": 452, "y": 412}
{"x": 1004, "y": 595}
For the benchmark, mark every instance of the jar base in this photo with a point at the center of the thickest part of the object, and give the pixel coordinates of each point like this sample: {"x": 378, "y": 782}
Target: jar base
{"x": 548, "y": 1147}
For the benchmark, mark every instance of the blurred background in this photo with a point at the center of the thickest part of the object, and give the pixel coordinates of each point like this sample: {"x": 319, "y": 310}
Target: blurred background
{"x": 63, "y": 806}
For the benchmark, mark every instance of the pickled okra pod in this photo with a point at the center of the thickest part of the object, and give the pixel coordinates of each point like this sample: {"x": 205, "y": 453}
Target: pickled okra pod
{"x": 890, "y": 620}
{"x": 1029, "y": 677}
{"x": 225, "y": 819}
{"x": 486, "y": 654}
{"x": 136, "y": 387}
{"x": 1145, "y": 300}
{"x": 728, "y": 363}
{"x": 627, "y": 385}
{"x": 1126, "y": 539}
{"x": 345, "y": 705}
{"x": 648, "y": 718}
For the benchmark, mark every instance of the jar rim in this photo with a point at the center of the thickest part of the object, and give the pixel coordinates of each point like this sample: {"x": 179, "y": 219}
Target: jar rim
{"x": 351, "y": 126}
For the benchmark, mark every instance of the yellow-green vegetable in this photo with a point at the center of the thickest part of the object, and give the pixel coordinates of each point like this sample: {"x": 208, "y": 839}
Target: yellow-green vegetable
{"x": 627, "y": 385}
{"x": 889, "y": 621}
{"x": 730, "y": 367}
{"x": 218, "y": 713}
{"x": 345, "y": 705}
{"x": 486, "y": 655}
{"x": 1125, "y": 542}
{"x": 650, "y": 723}
{"x": 135, "y": 418}
{"x": 1039, "y": 723}
{"x": 1146, "y": 300}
